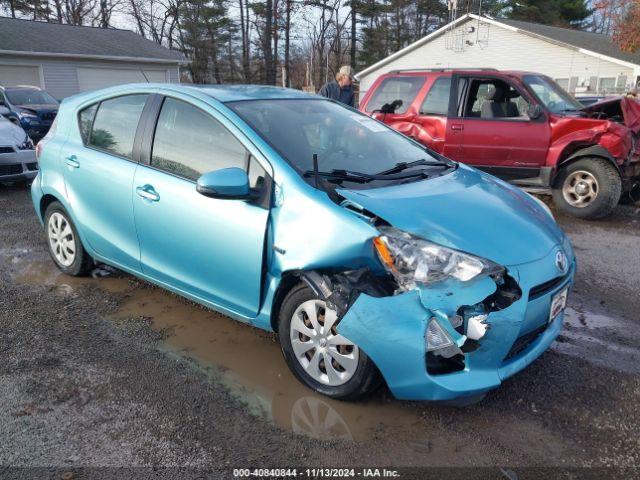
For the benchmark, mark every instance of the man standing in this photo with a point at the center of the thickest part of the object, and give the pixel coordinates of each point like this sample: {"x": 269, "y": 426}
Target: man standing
{"x": 341, "y": 88}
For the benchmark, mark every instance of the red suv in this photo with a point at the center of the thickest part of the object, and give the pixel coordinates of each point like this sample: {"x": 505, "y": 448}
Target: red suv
{"x": 522, "y": 127}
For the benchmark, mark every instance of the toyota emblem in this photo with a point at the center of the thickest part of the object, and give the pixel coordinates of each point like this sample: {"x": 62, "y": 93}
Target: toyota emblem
{"x": 561, "y": 261}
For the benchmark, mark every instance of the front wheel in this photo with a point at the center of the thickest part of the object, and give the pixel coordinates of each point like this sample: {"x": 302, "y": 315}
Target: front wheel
{"x": 317, "y": 354}
{"x": 589, "y": 188}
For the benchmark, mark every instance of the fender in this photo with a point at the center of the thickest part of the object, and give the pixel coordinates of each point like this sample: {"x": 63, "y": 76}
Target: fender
{"x": 593, "y": 151}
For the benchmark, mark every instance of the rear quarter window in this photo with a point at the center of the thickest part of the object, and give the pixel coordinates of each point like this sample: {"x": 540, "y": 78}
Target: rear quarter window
{"x": 85, "y": 121}
{"x": 396, "y": 88}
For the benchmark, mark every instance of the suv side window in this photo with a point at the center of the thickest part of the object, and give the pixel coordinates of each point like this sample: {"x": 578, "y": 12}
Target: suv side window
{"x": 396, "y": 88}
{"x": 437, "y": 100}
{"x": 115, "y": 124}
{"x": 494, "y": 99}
{"x": 188, "y": 142}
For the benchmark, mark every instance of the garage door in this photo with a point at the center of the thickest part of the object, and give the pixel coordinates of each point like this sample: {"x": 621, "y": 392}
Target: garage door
{"x": 12, "y": 75}
{"x": 90, "y": 78}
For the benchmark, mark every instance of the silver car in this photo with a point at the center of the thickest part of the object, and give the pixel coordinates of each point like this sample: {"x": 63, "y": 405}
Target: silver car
{"x": 18, "y": 161}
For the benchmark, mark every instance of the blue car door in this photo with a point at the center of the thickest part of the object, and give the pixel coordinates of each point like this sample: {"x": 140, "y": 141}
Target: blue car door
{"x": 99, "y": 171}
{"x": 209, "y": 248}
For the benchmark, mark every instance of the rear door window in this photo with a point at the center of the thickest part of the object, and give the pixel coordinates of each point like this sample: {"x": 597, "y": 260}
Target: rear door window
{"x": 396, "y": 88}
{"x": 188, "y": 142}
{"x": 115, "y": 124}
{"x": 437, "y": 100}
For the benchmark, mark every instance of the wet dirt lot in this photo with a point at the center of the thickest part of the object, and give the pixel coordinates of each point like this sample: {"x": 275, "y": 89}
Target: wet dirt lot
{"x": 111, "y": 371}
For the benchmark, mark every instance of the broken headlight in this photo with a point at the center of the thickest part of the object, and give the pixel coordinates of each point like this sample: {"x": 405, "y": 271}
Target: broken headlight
{"x": 412, "y": 260}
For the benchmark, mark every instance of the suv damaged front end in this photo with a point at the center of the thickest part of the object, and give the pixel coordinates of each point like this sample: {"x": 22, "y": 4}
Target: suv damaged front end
{"x": 441, "y": 323}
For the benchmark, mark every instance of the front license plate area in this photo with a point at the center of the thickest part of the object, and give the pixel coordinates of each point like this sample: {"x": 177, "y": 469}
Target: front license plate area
{"x": 558, "y": 303}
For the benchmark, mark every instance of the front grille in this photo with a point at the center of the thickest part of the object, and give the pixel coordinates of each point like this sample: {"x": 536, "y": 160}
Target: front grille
{"x": 6, "y": 150}
{"x": 544, "y": 288}
{"x": 524, "y": 341}
{"x": 10, "y": 169}
{"x": 48, "y": 116}
{"x": 32, "y": 166}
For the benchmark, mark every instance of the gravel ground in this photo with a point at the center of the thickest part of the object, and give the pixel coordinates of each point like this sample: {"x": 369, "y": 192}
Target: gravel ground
{"x": 112, "y": 372}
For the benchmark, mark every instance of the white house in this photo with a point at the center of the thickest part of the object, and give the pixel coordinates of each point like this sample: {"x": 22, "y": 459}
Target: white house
{"x": 66, "y": 59}
{"x": 583, "y": 63}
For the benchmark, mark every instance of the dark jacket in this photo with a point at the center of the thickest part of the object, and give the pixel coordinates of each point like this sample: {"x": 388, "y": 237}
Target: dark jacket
{"x": 345, "y": 95}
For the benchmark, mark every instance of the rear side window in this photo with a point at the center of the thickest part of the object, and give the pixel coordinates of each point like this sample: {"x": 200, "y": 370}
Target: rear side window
{"x": 85, "y": 120}
{"x": 115, "y": 124}
{"x": 396, "y": 88}
{"x": 437, "y": 100}
{"x": 188, "y": 142}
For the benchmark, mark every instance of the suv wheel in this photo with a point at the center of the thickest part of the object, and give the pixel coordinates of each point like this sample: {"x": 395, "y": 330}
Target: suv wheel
{"x": 317, "y": 355}
{"x": 64, "y": 242}
{"x": 589, "y": 188}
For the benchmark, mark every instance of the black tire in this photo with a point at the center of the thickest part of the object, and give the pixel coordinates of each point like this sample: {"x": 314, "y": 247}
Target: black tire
{"x": 364, "y": 381}
{"x": 82, "y": 263}
{"x": 609, "y": 188}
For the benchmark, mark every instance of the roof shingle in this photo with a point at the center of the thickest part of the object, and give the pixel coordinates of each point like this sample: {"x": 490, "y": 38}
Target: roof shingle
{"x": 594, "y": 42}
{"x": 42, "y": 37}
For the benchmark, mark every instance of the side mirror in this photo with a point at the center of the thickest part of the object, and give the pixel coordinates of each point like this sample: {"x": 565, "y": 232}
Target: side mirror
{"x": 534, "y": 111}
{"x": 227, "y": 183}
{"x": 4, "y": 110}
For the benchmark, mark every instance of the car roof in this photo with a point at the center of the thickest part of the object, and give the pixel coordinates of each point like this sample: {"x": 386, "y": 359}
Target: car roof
{"x": 234, "y": 93}
{"x": 21, "y": 87}
{"x": 450, "y": 71}
{"x": 221, "y": 93}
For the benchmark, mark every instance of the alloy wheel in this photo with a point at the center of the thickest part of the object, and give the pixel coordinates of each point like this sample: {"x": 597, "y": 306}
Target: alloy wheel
{"x": 325, "y": 355}
{"x": 61, "y": 239}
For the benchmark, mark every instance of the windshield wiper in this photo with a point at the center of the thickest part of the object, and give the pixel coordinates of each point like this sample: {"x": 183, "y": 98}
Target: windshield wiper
{"x": 360, "y": 177}
{"x": 399, "y": 167}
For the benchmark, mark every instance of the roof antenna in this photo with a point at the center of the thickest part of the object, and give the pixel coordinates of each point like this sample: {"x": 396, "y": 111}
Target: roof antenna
{"x": 144, "y": 75}
{"x": 315, "y": 168}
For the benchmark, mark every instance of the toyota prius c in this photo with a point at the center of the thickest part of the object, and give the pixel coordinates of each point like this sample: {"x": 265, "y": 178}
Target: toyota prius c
{"x": 374, "y": 259}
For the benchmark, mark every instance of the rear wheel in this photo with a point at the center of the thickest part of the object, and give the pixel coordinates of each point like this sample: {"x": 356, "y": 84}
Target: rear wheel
{"x": 64, "y": 242}
{"x": 317, "y": 354}
{"x": 588, "y": 188}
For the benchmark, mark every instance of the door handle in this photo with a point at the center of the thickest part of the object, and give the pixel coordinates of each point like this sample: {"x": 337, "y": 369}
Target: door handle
{"x": 457, "y": 127}
{"x": 148, "y": 192}
{"x": 72, "y": 161}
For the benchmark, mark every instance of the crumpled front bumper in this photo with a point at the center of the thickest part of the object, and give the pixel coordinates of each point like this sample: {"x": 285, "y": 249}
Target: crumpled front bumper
{"x": 391, "y": 330}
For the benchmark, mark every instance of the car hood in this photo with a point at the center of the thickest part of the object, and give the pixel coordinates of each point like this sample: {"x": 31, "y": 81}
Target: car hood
{"x": 469, "y": 211}
{"x": 10, "y": 133}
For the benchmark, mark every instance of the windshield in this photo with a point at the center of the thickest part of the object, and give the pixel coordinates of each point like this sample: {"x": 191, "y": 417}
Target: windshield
{"x": 551, "y": 94}
{"x": 29, "y": 97}
{"x": 342, "y": 139}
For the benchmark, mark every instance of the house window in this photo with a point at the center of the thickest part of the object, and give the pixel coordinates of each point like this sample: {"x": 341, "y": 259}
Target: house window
{"x": 563, "y": 82}
{"x": 607, "y": 84}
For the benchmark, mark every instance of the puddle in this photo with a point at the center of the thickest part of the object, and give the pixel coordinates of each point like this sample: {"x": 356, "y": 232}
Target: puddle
{"x": 246, "y": 360}
{"x": 249, "y": 363}
{"x": 598, "y": 338}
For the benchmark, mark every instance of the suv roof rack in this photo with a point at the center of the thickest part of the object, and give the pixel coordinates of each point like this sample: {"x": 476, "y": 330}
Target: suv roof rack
{"x": 448, "y": 69}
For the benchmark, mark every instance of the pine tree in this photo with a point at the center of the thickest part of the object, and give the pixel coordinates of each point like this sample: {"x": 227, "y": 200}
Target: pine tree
{"x": 561, "y": 13}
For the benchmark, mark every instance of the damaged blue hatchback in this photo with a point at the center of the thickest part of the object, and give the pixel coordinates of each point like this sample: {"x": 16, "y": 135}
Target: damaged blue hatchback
{"x": 373, "y": 258}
